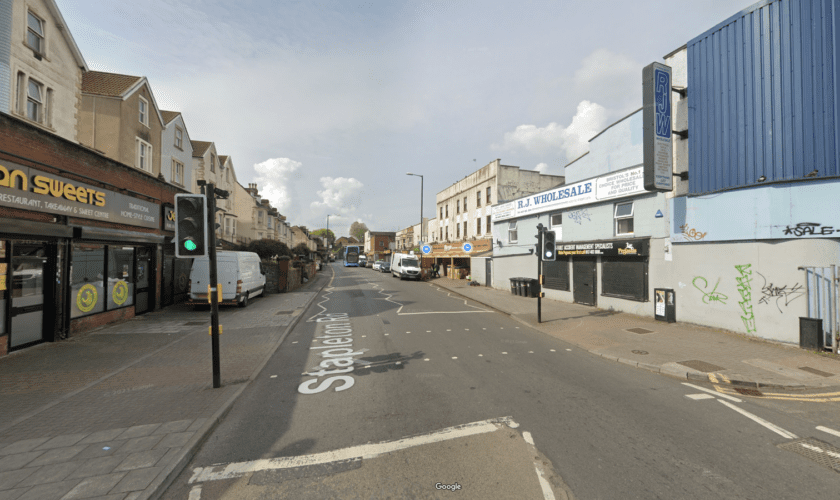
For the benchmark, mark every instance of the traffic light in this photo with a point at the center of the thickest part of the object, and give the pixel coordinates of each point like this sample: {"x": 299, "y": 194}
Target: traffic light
{"x": 548, "y": 246}
{"x": 191, "y": 227}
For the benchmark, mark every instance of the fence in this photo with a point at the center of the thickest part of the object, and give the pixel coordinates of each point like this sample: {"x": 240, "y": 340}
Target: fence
{"x": 823, "y": 293}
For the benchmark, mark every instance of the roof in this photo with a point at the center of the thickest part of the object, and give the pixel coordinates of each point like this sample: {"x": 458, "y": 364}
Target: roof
{"x": 109, "y": 84}
{"x": 200, "y": 147}
{"x": 62, "y": 27}
{"x": 168, "y": 116}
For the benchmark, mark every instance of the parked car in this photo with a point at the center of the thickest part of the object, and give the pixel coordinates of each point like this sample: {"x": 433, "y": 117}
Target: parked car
{"x": 385, "y": 267}
{"x": 240, "y": 274}
{"x": 378, "y": 265}
{"x": 369, "y": 263}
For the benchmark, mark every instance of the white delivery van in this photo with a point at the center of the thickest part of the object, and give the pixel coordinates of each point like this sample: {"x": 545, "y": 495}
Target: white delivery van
{"x": 240, "y": 274}
{"x": 405, "y": 265}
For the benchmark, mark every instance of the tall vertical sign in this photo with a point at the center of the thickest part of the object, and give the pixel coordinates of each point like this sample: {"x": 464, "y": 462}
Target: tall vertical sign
{"x": 656, "y": 114}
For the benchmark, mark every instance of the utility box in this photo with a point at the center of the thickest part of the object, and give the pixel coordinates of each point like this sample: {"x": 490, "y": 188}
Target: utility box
{"x": 665, "y": 305}
{"x": 811, "y": 334}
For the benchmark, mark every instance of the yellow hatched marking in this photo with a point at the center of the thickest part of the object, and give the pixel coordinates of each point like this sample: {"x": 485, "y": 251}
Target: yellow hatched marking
{"x": 712, "y": 378}
{"x": 725, "y": 378}
{"x": 827, "y": 397}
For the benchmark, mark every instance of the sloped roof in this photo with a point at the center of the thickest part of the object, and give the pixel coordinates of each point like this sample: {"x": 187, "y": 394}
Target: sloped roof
{"x": 223, "y": 159}
{"x": 109, "y": 84}
{"x": 168, "y": 116}
{"x": 65, "y": 32}
{"x": 200, "y": 147}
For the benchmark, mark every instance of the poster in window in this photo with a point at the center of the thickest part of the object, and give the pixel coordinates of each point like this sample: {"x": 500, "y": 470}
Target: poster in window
{"x": 660, "y": 302}
{"x": 2, "y": 276}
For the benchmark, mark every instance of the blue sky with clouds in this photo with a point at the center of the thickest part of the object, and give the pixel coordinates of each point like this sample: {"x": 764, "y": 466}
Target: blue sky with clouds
{"x": 326, "y": 105}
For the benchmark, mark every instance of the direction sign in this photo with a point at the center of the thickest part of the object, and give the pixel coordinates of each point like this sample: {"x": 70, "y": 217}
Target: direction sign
{"x": 467, "y": 247}
{"x": 427, "y": 249}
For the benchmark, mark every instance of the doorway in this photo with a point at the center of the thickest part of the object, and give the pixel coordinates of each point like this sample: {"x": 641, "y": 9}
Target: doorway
{"x": 143, "y": 282}
{"x": 584, "y": 274}
{"x": 488, "y": 269}
{"x": 29, "y": 283}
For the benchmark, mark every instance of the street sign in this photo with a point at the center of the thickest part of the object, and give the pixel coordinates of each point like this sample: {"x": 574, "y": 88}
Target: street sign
{"x": 427, "y": 249}
{"x": 467, "y": 247}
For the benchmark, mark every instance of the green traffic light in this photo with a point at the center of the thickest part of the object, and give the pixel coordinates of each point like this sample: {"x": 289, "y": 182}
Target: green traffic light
{"x": 190, "y": 245}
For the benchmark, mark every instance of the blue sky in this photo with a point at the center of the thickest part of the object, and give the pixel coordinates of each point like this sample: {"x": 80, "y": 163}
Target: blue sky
{"x": 326, "y": 105}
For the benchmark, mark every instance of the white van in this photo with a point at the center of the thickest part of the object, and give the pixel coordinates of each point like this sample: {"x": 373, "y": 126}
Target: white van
{"x": 239, "y": 273}
{"x": 405, "y": 265}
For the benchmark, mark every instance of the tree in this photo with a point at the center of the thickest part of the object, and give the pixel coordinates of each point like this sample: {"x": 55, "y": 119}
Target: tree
{"x": 268, "y": 249}
{"x": 358, "y": 230}
{"x": 326, "y": 234}
{"x": 301, "y": 249}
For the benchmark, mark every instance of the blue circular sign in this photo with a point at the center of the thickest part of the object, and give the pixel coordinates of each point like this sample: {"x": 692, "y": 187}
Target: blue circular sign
{"x": 467, "y": 247}
{"x": 427, "y": 249}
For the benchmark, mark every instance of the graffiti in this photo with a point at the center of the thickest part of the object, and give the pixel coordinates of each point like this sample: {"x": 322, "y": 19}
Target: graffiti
{"x": 810, "y": 229}
{"x": 714, "y": 295}
{"x": 692, "y": 234}
{"x": 745, "y": 289}
{"x": 786, "y": 293}
{"x": 579, "y": 215}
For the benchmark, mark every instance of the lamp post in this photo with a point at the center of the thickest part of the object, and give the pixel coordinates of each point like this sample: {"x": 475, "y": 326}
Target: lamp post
{"x": 329, "y": 246}
{"x": 421, "y": 205}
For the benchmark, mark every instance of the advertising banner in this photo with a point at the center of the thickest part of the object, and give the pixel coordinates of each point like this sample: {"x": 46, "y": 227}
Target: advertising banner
{"x": 658, "y": 137}
{"x": 620, "y": 248}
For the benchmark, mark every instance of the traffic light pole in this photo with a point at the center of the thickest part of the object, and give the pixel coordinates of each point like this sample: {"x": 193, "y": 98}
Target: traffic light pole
{"x": 539, "y": 272}
{"x": 210, "y": 193}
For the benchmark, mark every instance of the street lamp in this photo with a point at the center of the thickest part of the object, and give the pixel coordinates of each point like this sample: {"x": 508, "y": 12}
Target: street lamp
{"x": 329, "y": 246}
{"x": 421, "y": 205}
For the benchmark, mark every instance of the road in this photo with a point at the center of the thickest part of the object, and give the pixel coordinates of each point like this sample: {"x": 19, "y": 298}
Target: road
{"x": 398, "y": 389}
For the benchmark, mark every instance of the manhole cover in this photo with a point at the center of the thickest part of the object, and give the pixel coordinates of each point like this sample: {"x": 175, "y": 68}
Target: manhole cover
{"x": 816, "y": 372}
{"x": 640, "y": 331}
{"x": 748, "y": 392}
{"x": 195, "y": 323}
{"x": 639, "y": 352}
{"x": 283, "y": 313}
{"x": 385, "y": 321}
{"x": 701, "y": 366}
{"x": 819, "y": 451}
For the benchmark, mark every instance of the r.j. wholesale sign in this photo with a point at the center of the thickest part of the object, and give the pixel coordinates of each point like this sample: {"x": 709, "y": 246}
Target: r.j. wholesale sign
{"x": 607, "y": 187}
{"x": 30, "y": 189}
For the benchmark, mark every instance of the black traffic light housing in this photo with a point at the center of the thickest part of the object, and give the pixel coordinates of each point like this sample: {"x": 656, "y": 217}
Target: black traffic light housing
{"x": 191, "y": 225}
{"x": 548, "y": 246}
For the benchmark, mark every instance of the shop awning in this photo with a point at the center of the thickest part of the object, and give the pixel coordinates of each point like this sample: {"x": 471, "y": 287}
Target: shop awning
{"x": 101, "y": 233}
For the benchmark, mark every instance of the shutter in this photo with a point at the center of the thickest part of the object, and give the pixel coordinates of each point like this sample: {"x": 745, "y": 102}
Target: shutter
{"x": 557, "y": 274}
{"x": 624, "y": 277}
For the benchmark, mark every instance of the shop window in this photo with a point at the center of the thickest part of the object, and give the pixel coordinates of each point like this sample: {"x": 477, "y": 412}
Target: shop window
{"x": 512, "y": 232}
{"x": 4, "y": 272}
{"x": 87, "y": 273}
{"x": 120, "y": 277}
{"x": 624, "y": 219}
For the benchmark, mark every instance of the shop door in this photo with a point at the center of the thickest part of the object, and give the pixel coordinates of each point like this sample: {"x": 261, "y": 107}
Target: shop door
{"x": 488, "y": 266}
{"x": 142, "y": 281}
{"x": 583, "y": 272}
{"x": 29, "y": 267}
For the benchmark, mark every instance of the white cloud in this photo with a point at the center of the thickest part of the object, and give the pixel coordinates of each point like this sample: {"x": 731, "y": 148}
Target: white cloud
{"x": 554, "y": 138}
{"x": 541, "y": 167}
{"x": 612, "y": 79}
{"x": 276, "y": 180}
{"x": 340, "y": 194}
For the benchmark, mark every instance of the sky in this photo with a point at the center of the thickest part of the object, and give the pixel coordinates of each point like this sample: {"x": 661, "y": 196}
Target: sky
{"x": 326, "y": 105}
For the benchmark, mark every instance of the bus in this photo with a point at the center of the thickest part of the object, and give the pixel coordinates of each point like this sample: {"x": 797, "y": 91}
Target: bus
{"x": 351, "y": 256}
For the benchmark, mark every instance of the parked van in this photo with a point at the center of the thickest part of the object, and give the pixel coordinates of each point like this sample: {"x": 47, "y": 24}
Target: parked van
{"x": 240, "y": 274}
{"x": 405, "y": 265}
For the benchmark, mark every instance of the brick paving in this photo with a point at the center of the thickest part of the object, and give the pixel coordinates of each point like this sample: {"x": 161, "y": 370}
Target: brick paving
{"x": 112, "y": 413}
{"x": 606, "y": 334}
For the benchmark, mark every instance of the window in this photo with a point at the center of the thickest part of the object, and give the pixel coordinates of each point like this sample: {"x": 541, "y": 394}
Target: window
{"x": 381, "y": 243}
{"x": 457, "y": 230}
{"x": 457, "y": 206}
{"x": 227, "y": 175}
{"x": 512, "y": 234}
{"x": 441, "y": 212}
{"x": 35, "y": 33}
{"x": 447, "y": 233}
{"x": 465, "y": 229}
{"x": 144, "y": 155}
{"x": 259, "y": 217}
{"x": 143, "y": 112}
{"x": 177, "y": 172}
{"x": 212, "y": 162}
{"x": 87, "y": 272}
{"x": 488, "y": 196}
{"x": 260, "y": 235}
{"x": 556, "y": 220}
{"x": 447, "y": 210}
{"x": 465, "y": 203}
{"x": 488, "y": 224}
{"x": 478, "y": 226}
{"x": 120, "y": 277}
{"x": 441, "y": 233}
{"x": 624, "y": 218}
{"x": 478, "y": 198}
{"x": 34, "y": 101}
{"x": 179, "y": 138}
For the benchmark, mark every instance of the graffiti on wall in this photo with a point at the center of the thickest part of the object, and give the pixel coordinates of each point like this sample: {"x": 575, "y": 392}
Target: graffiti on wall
{"x": 579, "y": 215}
{"x": 691, "y": 233}
{"x": 810, "y": 229}
{"x": 744, "y": 281}
{"x": 783, "y": 294}
{"x": 709, "y": 296}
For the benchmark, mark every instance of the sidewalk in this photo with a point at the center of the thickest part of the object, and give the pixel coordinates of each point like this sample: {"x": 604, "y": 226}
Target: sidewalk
{"x": 681, "y": 350}
{"x": 117, "y": 413}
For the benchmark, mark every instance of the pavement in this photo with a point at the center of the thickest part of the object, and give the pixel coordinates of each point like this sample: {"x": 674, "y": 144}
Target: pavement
{"x": 680, "y": 350}
{"x": 118, "y": 412}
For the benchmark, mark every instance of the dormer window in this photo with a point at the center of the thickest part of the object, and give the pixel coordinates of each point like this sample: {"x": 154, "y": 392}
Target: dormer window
{"x": 144, "y": 111}
{"x": 35, "y": 33}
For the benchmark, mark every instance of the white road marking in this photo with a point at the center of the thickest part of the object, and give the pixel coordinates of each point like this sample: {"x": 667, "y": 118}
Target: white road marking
{"x": 273, "y": 376}
{"x": 363, "y": 336}
{"x": 480, "y": 355}
{"x": 195, "y": 493}
{"x": 568, "y": 349}
{"x": 552, "y": 350}
{"x": 428, "y": 331}
{"x": 504, "y": 353}
{"x": 399, "y": 362}
{"x": 546, "y": 488}
{"x": 466, "y": 329}
{"x": 527, "y": 437}
{"x": 365, "y": 451}
{"x": 501, "y": 328}
{"x": 830, "y": 431}
{"x": 713, "y": 393}
{"x": 454, "y": 357}
{"x": 775, "y": 428}
{"x": 530, "y": 352}
{"x": 699, "y": 396}
{"x": 448, "y": 330}
{"x": 386, "y": 334}
{"x": 820, "y": 450}
{"x": 426, "y": 359}
{"x": 517, "y": 327}
{"x": 295, "y": 342}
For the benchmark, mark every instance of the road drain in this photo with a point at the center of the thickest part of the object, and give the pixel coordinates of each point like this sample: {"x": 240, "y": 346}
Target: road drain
{"x": 283, "y": 313}
{"x": 640, "y": 331}
{"x": 818, "y": 451}
{"x": 639, "y": 352}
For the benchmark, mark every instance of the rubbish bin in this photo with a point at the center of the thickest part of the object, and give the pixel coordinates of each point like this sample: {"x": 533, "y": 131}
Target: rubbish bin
{"x": 811, "y": 334}
{"x": 526, "y": 287}
{"x": 519, "y": 286}
{"x": 533, "y": 288}
{"x": 665, "y": 305}
{"x": 513, "y": 286}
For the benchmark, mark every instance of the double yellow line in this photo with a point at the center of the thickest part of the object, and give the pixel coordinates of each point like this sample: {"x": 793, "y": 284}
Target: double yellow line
{"x": 824, "y": 397}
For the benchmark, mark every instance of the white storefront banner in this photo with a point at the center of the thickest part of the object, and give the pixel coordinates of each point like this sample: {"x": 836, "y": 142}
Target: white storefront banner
{"x": 612, "y": 186}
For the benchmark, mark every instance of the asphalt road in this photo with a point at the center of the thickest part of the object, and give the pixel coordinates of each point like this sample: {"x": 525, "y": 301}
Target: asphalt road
{"x": 489, "y": 405}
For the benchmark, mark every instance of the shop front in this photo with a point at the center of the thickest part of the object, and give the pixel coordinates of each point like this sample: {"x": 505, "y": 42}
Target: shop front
{"x": 623, "y": 269}
{"x": 454, "y": 258}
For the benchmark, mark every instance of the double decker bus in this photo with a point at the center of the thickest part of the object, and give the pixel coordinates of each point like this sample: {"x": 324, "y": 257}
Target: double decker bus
{"x": 351, "y": 256}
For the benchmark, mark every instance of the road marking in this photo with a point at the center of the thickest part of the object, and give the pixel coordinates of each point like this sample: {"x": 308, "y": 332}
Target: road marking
{"x": 363, "y": 336}
{"x": 830, "y": 431}
{"x": 552, "y": 350}
{"x": 386, "y": 334}
{"x": 481, "y": 355}
{"x": 365, "y": 451}
{"x": 530, "y": 352}
{"x": 273, "y": 376}
{"x": 448, "y": 330}
{"x": 295, "y": 342}
{"x": 429, "y": 331}
{"x": 517, "y": 327}
{"x": 426, "y": 359}
{"x": 527, "y": 437}
{"x": 713, "y": 393}
{"x": 699, "y": 396}
{"x": 504, "y": 353}
{"x": 568, "y": 349}
{"x": 399, "y": 362}
{"x": 544, "y": 485}
{"x": 195, "y": 493}
{"x": 808, "y": 398}
{"x": 820, "y": 450}
{"x": 775, "y": 428}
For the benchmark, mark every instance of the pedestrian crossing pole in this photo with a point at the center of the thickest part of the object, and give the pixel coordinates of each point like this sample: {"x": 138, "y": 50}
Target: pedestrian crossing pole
{"x": 214, "y": 282}
{"x": 538, "y": 253}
